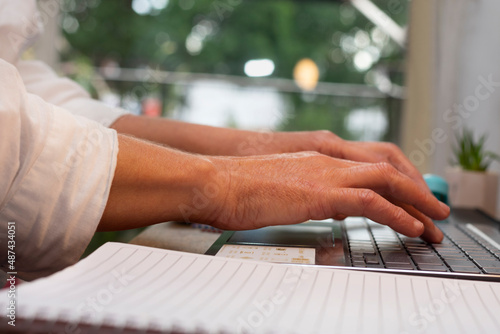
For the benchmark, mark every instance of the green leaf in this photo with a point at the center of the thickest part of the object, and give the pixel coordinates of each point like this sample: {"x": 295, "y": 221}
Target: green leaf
{"x": 470, "y": 154}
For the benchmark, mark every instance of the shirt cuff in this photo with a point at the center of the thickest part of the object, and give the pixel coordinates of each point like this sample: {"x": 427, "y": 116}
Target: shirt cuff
{"x": 59, "y": 203}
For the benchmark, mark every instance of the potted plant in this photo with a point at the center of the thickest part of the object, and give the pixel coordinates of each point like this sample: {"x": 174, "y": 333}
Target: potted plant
{"x": 471, "y": 185}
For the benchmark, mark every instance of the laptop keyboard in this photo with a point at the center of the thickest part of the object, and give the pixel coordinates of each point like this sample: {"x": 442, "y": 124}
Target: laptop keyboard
{"x": 377, "y": 246}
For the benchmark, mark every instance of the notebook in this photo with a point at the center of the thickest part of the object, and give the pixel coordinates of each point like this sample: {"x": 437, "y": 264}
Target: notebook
{"x": 130, "y": 288}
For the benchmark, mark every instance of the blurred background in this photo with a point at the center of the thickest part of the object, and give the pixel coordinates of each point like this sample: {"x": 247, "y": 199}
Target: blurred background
{"x": 251, "y": 64}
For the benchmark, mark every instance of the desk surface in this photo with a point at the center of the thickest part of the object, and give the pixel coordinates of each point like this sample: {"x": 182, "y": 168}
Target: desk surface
{"x": 176, "y": 236}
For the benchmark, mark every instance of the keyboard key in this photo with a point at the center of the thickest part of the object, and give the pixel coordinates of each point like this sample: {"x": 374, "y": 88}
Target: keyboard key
{"x": 361, "y": 245}
{"x": 371, "y": 259}
{"x": 420, "y": 251}
{"x": 357, "y": 259}
{"x": 450, "y": 252}
{"x": 495, "y": 270}
{"x": 446, "y": 241}
{"x": 478, "y": 254}
{"x": 363, "y": 249}
{"x": 401, "y": 266}
{"x": 358, "y": 234}
{"x": 363, "y": 253}
{"x": 463, "y": 261}
{"x": 467, "y": 269}
{"x": 358, "y": 246}
{"x": 360, "y": 242}
{"x": 395, "y": 257}
{"x": 488, "y": 263}
{"x": 416, "y": 249}
{"x": 411, "y": 243}
{"x": 359, "y": 264}
{"x": 395, "y": 249}
{"x": 425, "y": 259}
{"x": 441, "y": 247}
{"x": 430, "y": 267}
{"x": 357, "y": 253}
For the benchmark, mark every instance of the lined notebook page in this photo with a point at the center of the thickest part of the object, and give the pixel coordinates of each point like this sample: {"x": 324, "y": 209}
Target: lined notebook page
{"x": 129, "y": 286}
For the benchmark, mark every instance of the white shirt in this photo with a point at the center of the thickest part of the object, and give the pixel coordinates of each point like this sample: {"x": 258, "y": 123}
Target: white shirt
{"x": 55, "y": 168}
{"x": 20, "y": 24}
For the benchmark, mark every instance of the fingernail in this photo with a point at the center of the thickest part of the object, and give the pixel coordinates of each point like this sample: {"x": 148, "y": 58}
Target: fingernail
{"x": 445, "y": 208}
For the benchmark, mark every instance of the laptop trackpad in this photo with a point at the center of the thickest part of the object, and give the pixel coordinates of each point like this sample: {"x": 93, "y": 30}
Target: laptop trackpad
{"x": 285, "y": 235}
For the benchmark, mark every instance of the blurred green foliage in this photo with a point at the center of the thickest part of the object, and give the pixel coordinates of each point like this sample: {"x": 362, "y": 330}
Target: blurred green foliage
{"x": 231, "y": 32}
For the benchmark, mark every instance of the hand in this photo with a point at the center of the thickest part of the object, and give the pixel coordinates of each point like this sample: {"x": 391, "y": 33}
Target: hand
{"x": 375, "y": 152}
{"x": 327, "y": 143}
{"x": 292, "y": 188}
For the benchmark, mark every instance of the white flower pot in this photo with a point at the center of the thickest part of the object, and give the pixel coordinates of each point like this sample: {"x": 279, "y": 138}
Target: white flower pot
{"x": 470, "y": 189}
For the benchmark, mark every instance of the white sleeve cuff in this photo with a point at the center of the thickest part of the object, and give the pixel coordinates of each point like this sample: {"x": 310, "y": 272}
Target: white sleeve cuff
{"x": 58, "y": 170}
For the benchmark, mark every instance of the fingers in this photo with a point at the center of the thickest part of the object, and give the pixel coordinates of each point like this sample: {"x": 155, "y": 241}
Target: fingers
{"x": 367, "y": 203}
{"x": 403, "y": 164}
{"x": 431, "y": 233}
{"x": 386, "y": 180}
{"x": 383, "y": 152}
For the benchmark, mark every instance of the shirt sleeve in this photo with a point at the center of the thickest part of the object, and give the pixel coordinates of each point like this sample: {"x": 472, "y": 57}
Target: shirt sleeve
{"x": 56, "y": 171}
{"x": 42, "y": 81}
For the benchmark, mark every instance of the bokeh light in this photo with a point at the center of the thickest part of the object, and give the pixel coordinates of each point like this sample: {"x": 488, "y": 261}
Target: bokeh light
{"x": 306, "y": 74}
{"x": 259, "y": 67}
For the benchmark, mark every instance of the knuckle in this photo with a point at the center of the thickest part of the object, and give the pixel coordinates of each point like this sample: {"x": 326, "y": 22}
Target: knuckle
{"x": 391, "y": 147}
{"x": 310, "y": 154}
{"x": 386, "y": 169}
{"x": 399, "y": 214}
{"x": 319, "y": 157}
{"x": 326, "y": 134}
{"x": 315, "y": 153}
{"x": 325, "y": 141}
{"x": 367, "y": 198}
{"x": 314, "y": 158}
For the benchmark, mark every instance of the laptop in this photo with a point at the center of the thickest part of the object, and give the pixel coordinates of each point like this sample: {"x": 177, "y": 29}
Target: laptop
{"x": 470, "y": 249}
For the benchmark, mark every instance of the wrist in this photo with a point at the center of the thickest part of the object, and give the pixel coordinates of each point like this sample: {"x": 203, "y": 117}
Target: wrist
{"x": 204, "y": 191}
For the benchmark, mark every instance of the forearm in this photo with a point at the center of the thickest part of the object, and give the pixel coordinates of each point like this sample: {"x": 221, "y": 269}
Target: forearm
{"x": 151, "y": 184}
{"x": 211, "y": 140}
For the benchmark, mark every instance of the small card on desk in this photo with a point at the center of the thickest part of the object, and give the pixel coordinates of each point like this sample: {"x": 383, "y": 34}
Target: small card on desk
{"x": 296, "y": 255}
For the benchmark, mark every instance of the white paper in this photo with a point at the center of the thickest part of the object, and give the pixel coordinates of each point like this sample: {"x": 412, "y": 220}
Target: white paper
{"x": 140, "y": 287}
